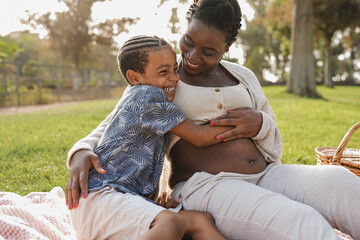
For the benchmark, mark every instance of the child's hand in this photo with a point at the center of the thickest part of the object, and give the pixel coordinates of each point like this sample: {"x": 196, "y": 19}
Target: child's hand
{"x": 167, "y": 201}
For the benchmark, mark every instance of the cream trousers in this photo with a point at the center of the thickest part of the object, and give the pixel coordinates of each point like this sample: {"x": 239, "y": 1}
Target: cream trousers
{"x": 283, "y": 202}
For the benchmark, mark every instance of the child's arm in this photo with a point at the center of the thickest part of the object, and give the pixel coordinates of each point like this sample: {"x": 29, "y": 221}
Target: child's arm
{"x": 199, "y": 135}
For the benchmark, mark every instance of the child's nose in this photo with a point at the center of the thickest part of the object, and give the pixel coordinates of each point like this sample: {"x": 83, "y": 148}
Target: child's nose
{"x": 174, "y": 76}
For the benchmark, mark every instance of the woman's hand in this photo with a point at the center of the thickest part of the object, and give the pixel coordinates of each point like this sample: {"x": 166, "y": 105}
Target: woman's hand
{"x": 247, "y": 123}
{"x": 81, "y": 162}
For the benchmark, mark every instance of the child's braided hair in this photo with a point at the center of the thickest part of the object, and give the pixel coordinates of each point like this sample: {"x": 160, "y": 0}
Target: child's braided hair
{"x": 133, "y": 55}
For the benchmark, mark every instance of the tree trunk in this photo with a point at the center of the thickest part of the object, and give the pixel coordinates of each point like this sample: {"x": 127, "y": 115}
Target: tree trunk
{"x": 302, "y": 75}
{"x": 327, "y": 61}
{"x": 259, "y": 75}
{"x": 351, "y": 78}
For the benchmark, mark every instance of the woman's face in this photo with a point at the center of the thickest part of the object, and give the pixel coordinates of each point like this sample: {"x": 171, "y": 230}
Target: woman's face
{"x": 202, "y": 48}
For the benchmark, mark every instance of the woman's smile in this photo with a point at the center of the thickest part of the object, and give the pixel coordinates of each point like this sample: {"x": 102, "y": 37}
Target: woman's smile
{"x": 189, "y": 64}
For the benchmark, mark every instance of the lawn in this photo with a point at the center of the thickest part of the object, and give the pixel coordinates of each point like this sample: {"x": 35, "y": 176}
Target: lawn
{"x": 33, "y": 147}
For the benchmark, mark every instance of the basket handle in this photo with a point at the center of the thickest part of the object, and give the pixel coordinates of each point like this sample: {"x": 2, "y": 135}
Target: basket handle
{"x": 344, "y": 141}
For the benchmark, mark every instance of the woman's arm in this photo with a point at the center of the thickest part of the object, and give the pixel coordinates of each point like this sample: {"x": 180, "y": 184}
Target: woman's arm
{"x": 199, "y": 135}
{"x": 81, "y": 159}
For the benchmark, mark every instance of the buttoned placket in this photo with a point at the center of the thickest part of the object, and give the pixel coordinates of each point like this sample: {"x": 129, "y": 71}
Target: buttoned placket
{"x": 219, "y": 100}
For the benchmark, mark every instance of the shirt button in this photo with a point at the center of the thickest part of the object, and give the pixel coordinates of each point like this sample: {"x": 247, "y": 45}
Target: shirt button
{"x": 220, "y": 106}
{"x": 217, "y": 90}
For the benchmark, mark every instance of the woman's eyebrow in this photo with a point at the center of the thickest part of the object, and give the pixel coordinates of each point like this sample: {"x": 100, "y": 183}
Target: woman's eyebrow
{"x": 209, "y": 48}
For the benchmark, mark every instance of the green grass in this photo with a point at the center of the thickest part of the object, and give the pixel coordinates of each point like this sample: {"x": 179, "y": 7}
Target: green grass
{"x": 33, "y": 147}
{"x": 307, "y": 123}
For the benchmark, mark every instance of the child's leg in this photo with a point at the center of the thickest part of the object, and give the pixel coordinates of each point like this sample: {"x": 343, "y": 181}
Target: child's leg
{"x": 200, "y": 225}
{"x": 166, "y": 225}
{"x": 112, "y": 215}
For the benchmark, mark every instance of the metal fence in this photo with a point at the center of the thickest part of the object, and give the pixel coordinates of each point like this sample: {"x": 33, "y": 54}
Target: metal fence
{"x": 29, "y": 84}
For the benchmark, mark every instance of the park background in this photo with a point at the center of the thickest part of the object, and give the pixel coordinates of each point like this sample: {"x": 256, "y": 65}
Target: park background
{"x": 64, "y": 51}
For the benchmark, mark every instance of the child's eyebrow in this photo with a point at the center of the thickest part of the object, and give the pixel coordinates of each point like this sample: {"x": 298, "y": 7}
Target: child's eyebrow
{"x": 163, "y": 66}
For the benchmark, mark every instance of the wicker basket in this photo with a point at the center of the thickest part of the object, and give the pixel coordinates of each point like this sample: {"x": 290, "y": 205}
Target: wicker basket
{"x": 346, "y": 157}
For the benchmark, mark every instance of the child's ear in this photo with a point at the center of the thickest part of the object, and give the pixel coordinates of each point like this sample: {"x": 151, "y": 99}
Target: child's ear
{"x": 133, "y": 77}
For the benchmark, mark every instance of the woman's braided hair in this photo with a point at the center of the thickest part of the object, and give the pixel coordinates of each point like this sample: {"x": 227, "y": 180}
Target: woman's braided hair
{"x": 224, "y": 15}
{"x": 133, "y": 55}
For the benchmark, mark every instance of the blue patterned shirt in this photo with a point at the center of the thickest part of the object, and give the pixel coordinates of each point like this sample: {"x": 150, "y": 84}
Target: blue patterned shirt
{"x": 132, "y": 148}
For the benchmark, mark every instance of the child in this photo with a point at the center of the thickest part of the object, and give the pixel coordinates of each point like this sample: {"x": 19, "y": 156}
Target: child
{"x": 132, "y": 150}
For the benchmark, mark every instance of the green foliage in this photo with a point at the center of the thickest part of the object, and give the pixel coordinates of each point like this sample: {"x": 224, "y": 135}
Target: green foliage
{"x": 266, "y": 39}
{"x": 271, "y": 30}
{"x": 33, "y": 147}
{"x": 30, "y": 95}
{"x": 8, "y": 48}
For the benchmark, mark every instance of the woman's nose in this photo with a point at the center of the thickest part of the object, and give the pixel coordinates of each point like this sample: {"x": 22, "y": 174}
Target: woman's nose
{"x": 193, "y": 55}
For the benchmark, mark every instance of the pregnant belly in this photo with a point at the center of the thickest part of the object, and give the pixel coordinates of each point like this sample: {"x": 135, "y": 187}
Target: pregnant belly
{"x": 240, "y": 156}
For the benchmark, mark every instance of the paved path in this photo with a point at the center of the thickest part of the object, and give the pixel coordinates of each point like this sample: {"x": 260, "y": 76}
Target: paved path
{"x": 29, "y": 109}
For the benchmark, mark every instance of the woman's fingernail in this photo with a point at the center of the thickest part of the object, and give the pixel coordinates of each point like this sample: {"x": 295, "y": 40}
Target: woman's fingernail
{"x": 225, "y": 140}
{"x": 74, "y": 206}
{"x": 69, "y": 207}
{"x": 212, "y": 123}
{"x": 230, "y": 111}
{"x": 218, "y": 137}
{"x": 84, "y": 195}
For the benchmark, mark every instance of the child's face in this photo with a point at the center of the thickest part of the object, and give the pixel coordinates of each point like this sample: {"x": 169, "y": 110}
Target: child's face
{"x": 162, "y": 71}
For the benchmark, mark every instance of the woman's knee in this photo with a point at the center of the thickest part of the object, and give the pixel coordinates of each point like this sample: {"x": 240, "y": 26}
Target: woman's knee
{"x": 334, "y": 178}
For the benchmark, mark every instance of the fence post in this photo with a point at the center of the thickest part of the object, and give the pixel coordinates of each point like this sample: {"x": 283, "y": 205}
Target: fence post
{"x": 4, "y": 78}
{"x": 17, "y": 67}
{"x": 57, "y": 83}
{"x": 4, "y": 92}
{"x": 39, "y": 85}
{"x": 96, "y": 79}
{"x": 75, "y": 82}
{"x": 106, "y": 79}
{"x": 86, "y": 78}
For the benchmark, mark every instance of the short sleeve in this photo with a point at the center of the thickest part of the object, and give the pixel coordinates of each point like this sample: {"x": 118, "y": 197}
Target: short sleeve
{"x": 160, "y": 115}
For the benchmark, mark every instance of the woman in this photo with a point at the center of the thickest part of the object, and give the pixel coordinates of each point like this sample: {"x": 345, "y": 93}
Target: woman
{"x": 240, "y": 182}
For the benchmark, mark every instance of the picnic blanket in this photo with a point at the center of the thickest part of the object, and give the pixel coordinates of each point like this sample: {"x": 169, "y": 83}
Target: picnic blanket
{"x": 38, "y": 215}
{"x": 42, "y": 215}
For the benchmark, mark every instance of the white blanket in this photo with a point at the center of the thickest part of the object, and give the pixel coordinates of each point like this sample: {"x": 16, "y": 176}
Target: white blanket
{"x": 38, "y": 215}
{"x": 42, "y": 215}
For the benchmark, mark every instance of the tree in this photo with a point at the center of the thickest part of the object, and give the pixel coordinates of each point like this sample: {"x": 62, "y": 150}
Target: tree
{"x": 72, "y": 35}
{"x": 330, "y": 16}
{"x": 8, "y": 48}
{"x": 302, "y": 75}
{"x": 278, "y": 23}
{"x": 351, "y": 41}
{"x": 266, "y": 39}
{"x": 256, "y": 40}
